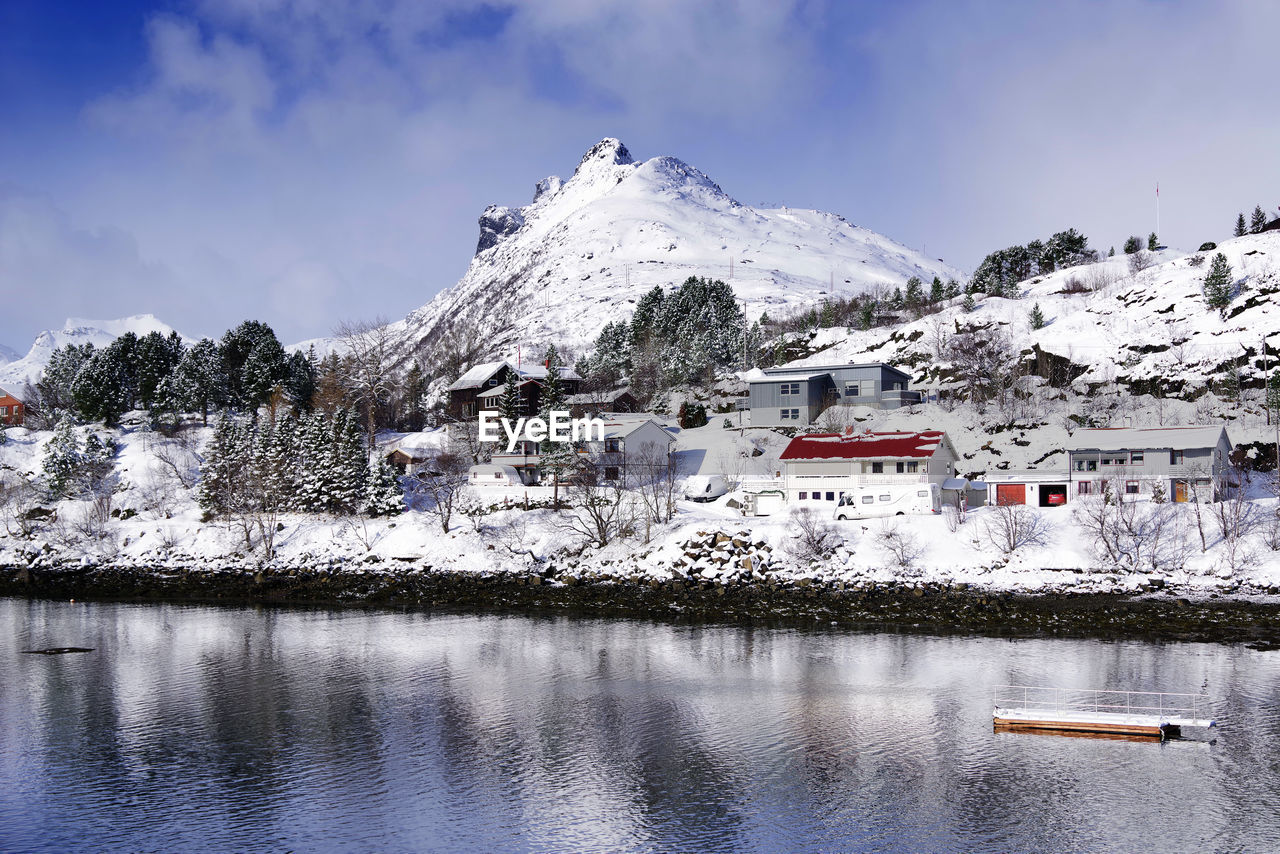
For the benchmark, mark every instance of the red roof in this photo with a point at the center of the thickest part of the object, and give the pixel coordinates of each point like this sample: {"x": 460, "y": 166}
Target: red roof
{"x": 864, "y": 446}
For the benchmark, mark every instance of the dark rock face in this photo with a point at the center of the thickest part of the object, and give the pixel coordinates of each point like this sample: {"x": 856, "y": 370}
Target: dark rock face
{"x": 496, "y": 224}
{"x": 610, "y": 152}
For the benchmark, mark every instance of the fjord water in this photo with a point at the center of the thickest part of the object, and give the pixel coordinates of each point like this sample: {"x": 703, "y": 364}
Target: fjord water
{"x": 193, "y": 728}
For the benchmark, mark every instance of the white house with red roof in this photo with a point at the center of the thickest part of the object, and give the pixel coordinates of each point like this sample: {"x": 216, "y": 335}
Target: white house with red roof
{"x": 821, "y": 466}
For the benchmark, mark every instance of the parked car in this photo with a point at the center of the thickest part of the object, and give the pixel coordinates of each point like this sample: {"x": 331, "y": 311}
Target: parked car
{"x": 705, "y": 487}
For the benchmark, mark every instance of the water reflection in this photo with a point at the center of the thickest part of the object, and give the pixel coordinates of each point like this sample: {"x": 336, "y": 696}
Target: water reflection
{"x": 256, "y": 729}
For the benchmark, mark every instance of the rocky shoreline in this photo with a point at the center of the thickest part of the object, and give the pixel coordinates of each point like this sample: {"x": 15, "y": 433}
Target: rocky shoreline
{"x": 899, "y": 606}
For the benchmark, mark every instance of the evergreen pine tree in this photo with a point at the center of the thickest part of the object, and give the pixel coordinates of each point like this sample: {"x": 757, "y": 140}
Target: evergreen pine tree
{"x": 556, "y": 459}
{"x": 952, "y": 290}
{"x": 1111, "y": 253}
{"x": 313, "y": 449}
{"x": 936, "y": 291}
{"x": 1153, "y": 242}
{"x": 1273, "y": 393}
{"x": 3, "y": 438}
{"x": 382, "y": 495}
{"x": 895, "y": 299}
{"x": 62, "y": 459}
{"x": 199, "y": 380}
{"x": 914, "y": 297}
{"x": 1258, "y": 221}
{"x": 1241, "y": 228}
{"x": 224, "y": 462}
{"x": 1217, "y": 284}
{"x": 349, "y": 463}
{"x": 1037, "y": 317}
{"x": 1132, "y": 245}
{"x": 968, "y": 305}
{"x": 511, "y": 405}
{"x": 867, "y": 314}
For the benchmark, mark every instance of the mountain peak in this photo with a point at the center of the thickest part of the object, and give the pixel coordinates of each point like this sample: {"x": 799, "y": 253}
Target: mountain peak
{"x": 609, "y": 152}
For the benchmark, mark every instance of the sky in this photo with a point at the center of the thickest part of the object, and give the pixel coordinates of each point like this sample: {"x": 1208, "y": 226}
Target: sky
{"x": 304, "y": 162}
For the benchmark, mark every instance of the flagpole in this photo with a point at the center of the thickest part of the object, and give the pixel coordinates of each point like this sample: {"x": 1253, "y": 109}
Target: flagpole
{"x": 1158, "y": 238}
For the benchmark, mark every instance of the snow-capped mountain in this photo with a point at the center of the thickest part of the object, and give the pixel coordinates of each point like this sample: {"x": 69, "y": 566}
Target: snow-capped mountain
{"x": 7, "y": 355}
{"x": 75, "y": 331}
{"x": 585, "y": 249}
{"x": 1146, "y": 329}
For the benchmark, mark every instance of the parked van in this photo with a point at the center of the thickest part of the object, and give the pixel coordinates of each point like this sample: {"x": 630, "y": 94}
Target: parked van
{"x": 705, "y": 487}
{"x": 493, "y": 475}
{"x": 889, "y": 500}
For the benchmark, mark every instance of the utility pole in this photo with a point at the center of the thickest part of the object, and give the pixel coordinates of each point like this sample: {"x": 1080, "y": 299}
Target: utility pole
{"x": 1157, "y": 213}
{"x": 731, "y": 268}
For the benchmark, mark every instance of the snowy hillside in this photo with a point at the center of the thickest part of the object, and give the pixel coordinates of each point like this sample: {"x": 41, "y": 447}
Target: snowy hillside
{"x": 100, "y": 333}
{"x": 1145, "y": 329}
{"x": 586, "y": 249}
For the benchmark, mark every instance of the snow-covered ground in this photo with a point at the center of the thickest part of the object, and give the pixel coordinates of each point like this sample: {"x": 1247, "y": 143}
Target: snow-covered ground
{"x": 159, "y": 526}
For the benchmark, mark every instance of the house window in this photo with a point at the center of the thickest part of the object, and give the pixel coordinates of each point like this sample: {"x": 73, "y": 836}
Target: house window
{"x": 789, "y": 415}
{"x": 815, "y": 496}
{"x": 1083, "y": 488}
{"x": 901, "y": 467}
{"x": 1109, "y": 461}
{"x": 831, "y": 496}
{"x": 1176, "y": 458}
{"x": 612, "y": 446}
{"x": 1135, "y": 459}
{"x": 610, "y": 472}
{"x": 493, "y": 381}
{"x": 877, "y": 468}
{"x": 803, "y": 496}
{"x": 1090, "y": 465}
{"x": 790, "y": 388}
{"x": 913, "y": 466}
{"x": 4, "y": 410}
{"x": 851, "y": 389}
{"x": 1130, "y": 487}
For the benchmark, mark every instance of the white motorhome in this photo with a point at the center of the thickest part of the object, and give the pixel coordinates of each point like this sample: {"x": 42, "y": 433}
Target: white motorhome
{"x": 493, "y": 475}
{"x": 863, "y": 502}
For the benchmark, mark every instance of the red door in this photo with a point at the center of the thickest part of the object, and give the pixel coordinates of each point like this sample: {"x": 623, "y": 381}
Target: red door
{"x": 1010, "y": 493}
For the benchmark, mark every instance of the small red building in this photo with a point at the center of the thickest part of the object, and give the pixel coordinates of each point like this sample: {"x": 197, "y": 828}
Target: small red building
{"x": 11, "y": 409}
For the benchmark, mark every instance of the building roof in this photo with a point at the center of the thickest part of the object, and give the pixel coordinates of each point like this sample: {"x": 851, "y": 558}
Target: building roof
{"x": 823, "y": 369}
{"x": 1144, "y": 438}
{"x": 762, "y": 377}
{"x": 864, "y": 446}
{"x": 419, "y": 445}
{"x": 478, "y": 375}
{"x": 499, "y": 390}
{"x": 4, "y": 392}
{"x": 598, "y": 396}
{"x": 620, "y": 428}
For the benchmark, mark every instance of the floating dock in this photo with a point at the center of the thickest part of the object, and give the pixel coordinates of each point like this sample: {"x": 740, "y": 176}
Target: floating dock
{"x": 1147, "y": 714}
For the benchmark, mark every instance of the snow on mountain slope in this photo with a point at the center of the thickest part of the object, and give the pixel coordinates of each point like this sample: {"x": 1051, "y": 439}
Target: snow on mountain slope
{"x": 1132, "y": 328}
{"x": 7, "y": 355}
{"x": 75, "y": 331}
{"x": 577, "y": 257}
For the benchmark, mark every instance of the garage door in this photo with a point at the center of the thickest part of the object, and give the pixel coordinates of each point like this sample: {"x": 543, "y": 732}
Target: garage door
{"x": 1011, "y": 493}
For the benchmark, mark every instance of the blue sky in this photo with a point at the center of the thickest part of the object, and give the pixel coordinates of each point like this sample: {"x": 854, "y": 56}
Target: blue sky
{"x": 303, "y": 162}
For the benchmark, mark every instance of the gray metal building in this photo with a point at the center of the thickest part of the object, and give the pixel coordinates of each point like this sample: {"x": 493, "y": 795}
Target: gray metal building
{"x": 796, "y": 396}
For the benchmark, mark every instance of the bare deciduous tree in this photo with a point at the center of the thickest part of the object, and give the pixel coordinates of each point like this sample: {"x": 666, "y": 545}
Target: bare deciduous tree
{"x": 599, "y": 511}
{"x": 444, "y": 485}
{"x": 368, "y": 366}
{"x": 813, "y": 539}
{"x": 652, "y": 474}
{"x": 899, "y": 544}
{"x": 1009, "y": 527}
